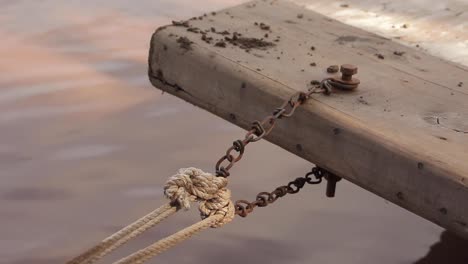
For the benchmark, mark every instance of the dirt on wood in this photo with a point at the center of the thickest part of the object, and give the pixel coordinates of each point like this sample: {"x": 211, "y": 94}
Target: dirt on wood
{"x": 262, "y": 26}
{"x": 399, "y": 53}
{"x": 333, "y": 69}
{"x": 363, "y": 101}
{"x": 185, "y": 43}
{"x": 245, "y": 43}
{"x": 193, "y": 29}
{"x": 224, "y": 33}
{"x": 220, "y": 44}
{"x": 380, "y": 56}
{"x": 250, "y": 43}
{"x": 206, "y": 39}
{"x": 315, "y": 82}
{"x": 180, "y": 23}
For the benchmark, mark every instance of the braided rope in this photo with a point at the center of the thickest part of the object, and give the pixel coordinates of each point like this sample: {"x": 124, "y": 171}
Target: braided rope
{"x": 164, "y": 244}
{"x": 112, "y": 242}
{"x": 165, "y": 214}
{"x": 189, "y": 185}
{"x": 193, "y": 184}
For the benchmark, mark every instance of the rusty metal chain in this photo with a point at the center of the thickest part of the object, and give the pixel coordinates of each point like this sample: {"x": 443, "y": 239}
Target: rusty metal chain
{"x": 243, "y": 207}
{"x": 262, "y": 129}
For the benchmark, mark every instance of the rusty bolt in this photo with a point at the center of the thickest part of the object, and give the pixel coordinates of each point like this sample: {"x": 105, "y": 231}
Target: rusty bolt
{"x": 347, "y": 71}
{"x": 346, "y": 82}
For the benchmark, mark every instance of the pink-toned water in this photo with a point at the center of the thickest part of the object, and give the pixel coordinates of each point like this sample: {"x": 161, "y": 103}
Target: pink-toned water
{"x": 86, "y": 144}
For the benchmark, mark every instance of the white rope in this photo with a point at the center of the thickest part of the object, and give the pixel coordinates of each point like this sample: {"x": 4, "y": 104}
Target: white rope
{"x": 193, "y": 184}
{"x": 129, "y": 232}
{"x": 187, "y": 186}
{"x": 164, "y": 244}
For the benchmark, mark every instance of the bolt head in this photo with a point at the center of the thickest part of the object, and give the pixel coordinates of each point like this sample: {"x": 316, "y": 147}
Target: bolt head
{"x": 348, "y": 69}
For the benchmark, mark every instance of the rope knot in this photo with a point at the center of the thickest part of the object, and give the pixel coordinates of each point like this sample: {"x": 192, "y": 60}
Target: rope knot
{"x": 194, "y": 185}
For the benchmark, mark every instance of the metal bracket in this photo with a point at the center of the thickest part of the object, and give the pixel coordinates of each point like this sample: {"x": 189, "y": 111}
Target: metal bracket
{"x": 332, "y": 179}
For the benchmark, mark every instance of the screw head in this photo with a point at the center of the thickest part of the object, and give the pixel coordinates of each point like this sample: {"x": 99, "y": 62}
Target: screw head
{"x": 348, "y": 69}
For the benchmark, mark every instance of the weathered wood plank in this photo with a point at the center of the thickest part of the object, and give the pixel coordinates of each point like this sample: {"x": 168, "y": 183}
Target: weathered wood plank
{"x": 402, "y": 135}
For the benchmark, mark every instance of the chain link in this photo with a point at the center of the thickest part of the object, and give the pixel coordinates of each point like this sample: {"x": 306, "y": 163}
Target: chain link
{"x": 259, "y": 130}
{"x": 244, "y": 208}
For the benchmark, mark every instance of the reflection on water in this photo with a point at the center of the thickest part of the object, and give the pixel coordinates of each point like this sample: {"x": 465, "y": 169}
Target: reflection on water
{"x": 33, "y": 194}
{"x": 85, "y": 152}
{"x": 144, "y": 192}
{"x": 84, "y": 137}
{"x": 45, "y": 111}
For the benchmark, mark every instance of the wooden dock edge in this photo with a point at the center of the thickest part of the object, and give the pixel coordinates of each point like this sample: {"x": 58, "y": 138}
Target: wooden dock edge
{"x": 317, "y": 133}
